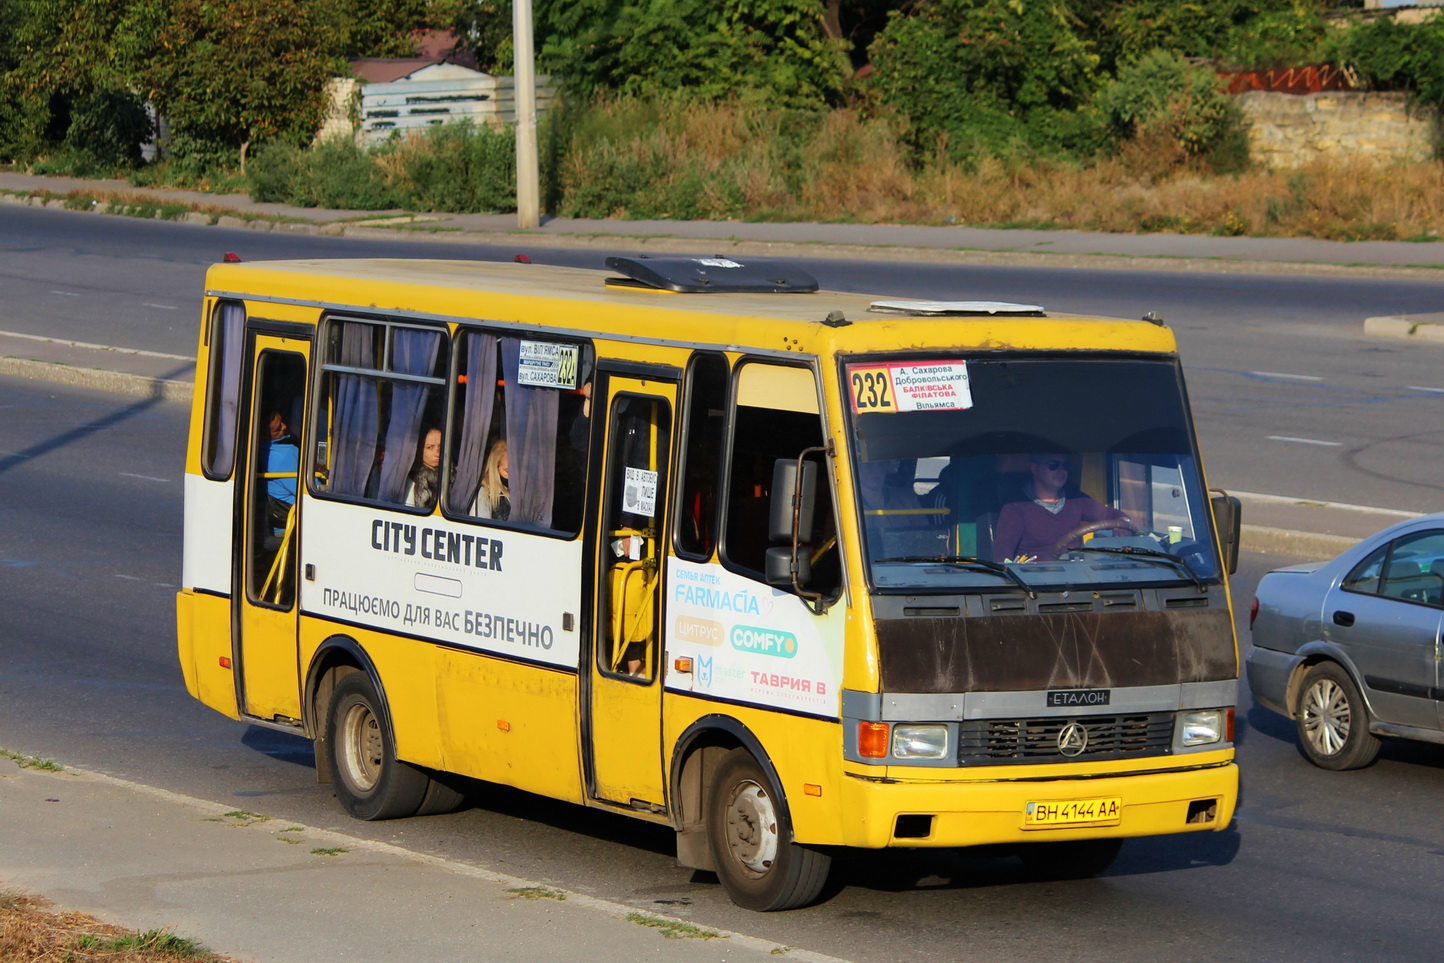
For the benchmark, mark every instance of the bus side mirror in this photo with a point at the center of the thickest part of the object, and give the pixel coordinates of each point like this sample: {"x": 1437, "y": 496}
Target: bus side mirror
{"x": 1228, "y": 521}
{"x": 790, "y": 518}
{"x": 779, "y": 566}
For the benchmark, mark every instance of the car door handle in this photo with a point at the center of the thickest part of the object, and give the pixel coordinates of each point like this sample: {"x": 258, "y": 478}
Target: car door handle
{"x": 1343, "y": 618}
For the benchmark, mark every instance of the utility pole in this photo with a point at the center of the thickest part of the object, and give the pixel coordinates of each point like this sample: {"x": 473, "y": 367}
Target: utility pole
{"x": 528, "y": 190}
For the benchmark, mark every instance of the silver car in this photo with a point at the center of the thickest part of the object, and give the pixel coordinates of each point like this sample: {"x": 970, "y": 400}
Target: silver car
{"x": 1351, "y": 649}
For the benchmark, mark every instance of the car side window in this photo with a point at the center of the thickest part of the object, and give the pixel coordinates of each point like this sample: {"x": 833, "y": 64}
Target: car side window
{"x": 1365, "y": 576}
{"x": 1414, "y": 569}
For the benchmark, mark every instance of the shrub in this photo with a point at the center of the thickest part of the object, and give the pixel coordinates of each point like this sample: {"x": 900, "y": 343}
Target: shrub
{"x": 276, "y": 171}
{"x": 1172, "y": 113}
{"x": 456, "y": 167}
{"x": 339, "y": 174}
{"x": 107, "y": 128}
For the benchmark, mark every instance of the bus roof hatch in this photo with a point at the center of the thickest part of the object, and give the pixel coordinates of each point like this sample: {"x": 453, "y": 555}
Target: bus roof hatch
{"x": 710, "y": 275}
{"x": 958, "y": 308}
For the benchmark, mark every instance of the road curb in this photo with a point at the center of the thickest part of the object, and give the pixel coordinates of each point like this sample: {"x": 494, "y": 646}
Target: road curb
{"x": 1282, "y": 541}
{"x": 1418, "y": 327}
{"x": 118, "y": 382}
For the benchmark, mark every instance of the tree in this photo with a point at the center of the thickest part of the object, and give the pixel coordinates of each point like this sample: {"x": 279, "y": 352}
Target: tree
{"x": 977, "y": 69}
{"x": 774, "y": 51}
{"x": 1257, "y": 29}
{"x": 63, "y": 88}
{"x": 386, "y": 28}
{"x": 1389, "y": 55}
{"x": 229, "y": 75}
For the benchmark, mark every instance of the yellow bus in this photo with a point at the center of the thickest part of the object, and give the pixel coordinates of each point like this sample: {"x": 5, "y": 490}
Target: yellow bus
{"x": 695, "y": 542}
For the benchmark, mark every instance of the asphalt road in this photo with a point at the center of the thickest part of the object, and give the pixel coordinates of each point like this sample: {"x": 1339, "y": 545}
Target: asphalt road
{"x": 1289, "y": 396}
{"x": 1343, "y": 866}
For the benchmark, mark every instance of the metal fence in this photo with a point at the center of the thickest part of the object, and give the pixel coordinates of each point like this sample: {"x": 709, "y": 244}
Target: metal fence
{"x": 407, "y": 105}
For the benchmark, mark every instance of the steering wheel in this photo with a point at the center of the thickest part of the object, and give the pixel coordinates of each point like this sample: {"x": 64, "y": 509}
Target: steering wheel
{"x": 1088, "y": 527}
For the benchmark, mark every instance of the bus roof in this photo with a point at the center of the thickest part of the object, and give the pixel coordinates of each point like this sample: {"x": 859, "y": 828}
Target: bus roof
{"x": 580, "y": 301}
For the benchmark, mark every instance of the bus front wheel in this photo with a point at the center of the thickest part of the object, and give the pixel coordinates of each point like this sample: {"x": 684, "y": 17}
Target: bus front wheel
{"x": 759, "y": 865}
{"x": 370, "y": 781}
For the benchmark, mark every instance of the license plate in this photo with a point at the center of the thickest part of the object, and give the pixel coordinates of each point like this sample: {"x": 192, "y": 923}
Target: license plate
{"x": 1073, "y": 812}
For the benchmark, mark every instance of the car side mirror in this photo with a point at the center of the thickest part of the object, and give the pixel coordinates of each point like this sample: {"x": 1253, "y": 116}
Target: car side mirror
{"x": 1228, "y": 522}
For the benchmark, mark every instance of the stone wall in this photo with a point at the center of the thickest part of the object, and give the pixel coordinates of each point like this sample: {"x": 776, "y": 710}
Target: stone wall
{"x": 1293, "y": 129}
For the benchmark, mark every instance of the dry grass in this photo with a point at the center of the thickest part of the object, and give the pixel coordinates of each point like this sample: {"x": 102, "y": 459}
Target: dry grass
{"x": 31, "y": 932}
{"x": 728, "y": 161}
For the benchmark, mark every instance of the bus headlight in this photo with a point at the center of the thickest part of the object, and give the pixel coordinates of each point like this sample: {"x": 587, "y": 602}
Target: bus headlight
{"x": 919, "y": 742}
{"x": 1201, "y": 727}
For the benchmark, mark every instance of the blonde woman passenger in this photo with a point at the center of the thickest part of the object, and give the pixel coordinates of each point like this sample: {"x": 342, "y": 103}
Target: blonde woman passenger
{"x": 493, "y": 498}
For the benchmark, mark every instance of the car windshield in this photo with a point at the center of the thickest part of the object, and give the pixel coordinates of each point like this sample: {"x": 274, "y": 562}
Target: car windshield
{"x": 1014, "y": 474}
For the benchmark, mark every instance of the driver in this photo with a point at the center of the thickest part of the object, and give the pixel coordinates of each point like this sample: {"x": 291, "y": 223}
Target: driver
{"x": 1049, "y": 510}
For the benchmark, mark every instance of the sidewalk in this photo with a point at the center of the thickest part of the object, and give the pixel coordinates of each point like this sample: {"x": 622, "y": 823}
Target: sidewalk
{"x": 953, "y": 244}
{"x": 271, "y": 891}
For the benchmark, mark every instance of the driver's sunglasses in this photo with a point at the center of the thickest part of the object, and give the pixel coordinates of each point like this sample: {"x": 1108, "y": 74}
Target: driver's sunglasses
{"x": 1054, "y": 464}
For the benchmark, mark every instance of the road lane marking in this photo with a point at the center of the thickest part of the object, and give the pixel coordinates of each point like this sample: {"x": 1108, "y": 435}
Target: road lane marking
{"x": 1315, "y": 502}
{"x": 66, "y": 294}
{"x": 1291, "y": 377}
{"x": 1437, "y": 391}
{"x": 145, "y": 477}
{"x": 1307, "y": 441}
{"x": 163, "y": 307}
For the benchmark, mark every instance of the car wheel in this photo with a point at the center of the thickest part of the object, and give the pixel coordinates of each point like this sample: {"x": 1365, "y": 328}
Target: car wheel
{"x": 759, "y": 865}
{"x": 1332, "y": 721}
{"x": 370, "y": 781}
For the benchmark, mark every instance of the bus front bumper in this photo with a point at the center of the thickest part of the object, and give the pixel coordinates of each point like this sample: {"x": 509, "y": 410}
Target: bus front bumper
{"x": 883, "y": 813}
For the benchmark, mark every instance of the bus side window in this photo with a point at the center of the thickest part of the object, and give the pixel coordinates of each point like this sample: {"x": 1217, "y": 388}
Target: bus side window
{"x": 377, "y": 407}
{"x": 223, "y": 388}
{"x": 696, "y": 536}
{"x": 531, "y": 400}
{"x": 776, "y": 416}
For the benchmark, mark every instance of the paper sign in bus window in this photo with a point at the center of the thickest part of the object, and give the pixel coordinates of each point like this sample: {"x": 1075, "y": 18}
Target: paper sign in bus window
{"x": 639, "y": 494}
{"x": 889, "y": 388}
{"x": 546, "y": 364}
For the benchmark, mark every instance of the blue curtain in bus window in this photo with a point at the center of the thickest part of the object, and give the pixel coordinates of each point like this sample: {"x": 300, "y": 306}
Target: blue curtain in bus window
{"x": 353, "y": 435}
{"x": 531, "y": 439}
{"x": 412, "y": 352}
{"x": 478, "y": 395}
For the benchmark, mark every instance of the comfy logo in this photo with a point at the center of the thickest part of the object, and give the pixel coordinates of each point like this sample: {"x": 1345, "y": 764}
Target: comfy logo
{"x": 749, "y": 638}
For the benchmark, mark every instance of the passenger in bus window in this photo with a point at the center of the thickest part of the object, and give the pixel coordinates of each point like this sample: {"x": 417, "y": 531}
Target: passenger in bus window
{"x": 894, "y": 517}
{"x": 282, "y": 457}
{"x": 421, "y": 488}
{"x": 1047, "y": 509}
{"x": 493, "y": 498}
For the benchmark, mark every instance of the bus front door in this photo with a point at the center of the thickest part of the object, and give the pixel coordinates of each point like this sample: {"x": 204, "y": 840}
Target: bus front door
{"x": 625, "y": 704}
{"x": 265, "y": 640}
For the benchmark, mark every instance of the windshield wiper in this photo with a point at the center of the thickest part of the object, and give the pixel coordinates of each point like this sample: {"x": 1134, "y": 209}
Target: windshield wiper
{"x": 972, "y": 561}
{"x": 1150, "y": 553}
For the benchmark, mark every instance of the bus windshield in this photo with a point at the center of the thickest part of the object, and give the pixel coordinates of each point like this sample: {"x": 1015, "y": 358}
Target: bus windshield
{"x": 1024, "y": 473}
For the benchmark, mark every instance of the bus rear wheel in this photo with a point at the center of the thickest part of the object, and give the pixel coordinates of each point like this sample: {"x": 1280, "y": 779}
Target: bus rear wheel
{"x": 759, "y": 865}
{"x": 370, "y": 781}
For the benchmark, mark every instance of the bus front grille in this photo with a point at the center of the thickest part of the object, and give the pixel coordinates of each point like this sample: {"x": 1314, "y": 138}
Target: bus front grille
{"x": 994, "y": 741}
